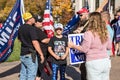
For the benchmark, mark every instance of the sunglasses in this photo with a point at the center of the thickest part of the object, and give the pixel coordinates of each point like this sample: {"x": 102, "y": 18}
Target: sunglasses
{"x": 81, "y": 15}
{"x": 58, "y": 29}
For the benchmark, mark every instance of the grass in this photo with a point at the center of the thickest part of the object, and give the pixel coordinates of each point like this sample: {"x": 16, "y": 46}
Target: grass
{"x": 15, "y": 55}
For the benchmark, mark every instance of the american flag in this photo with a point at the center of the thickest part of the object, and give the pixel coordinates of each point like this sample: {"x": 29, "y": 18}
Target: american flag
{"x": 48, "y": 20}
{"x": 49, "y": 30}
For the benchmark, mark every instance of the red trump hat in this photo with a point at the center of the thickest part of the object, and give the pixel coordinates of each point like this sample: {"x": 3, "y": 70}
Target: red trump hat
{"x": 83, "y": 10}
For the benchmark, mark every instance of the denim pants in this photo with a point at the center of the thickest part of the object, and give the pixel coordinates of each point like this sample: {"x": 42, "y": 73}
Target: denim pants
{"x": 98, "y": 69}
{"x": 55, "y": 69}
{"x": 28, "y": 68}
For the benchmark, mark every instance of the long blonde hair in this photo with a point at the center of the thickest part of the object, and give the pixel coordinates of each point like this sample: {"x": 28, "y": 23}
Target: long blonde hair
{"x": 97, "y": 25}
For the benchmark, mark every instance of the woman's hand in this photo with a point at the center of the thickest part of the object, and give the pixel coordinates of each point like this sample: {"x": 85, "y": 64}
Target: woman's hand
{"x": 70, "y": 44}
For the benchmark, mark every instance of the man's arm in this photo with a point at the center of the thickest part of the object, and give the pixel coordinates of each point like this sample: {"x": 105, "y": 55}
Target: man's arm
{"x": 46, "y": 40}
{"x": 38, "y": 49}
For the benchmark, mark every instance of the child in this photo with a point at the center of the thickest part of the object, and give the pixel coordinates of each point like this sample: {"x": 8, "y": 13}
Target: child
{"x": 58, "y": 48}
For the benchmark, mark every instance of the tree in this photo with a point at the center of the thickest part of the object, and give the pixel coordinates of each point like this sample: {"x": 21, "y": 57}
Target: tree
{"x": 62, "y": 9}
{"x": 6, "y": 8}
{"x": 2, "y": 2}
{"x": 33, "y": 6}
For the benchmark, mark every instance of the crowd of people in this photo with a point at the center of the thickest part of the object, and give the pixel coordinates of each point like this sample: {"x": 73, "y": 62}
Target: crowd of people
{"x": 100, "y": 42}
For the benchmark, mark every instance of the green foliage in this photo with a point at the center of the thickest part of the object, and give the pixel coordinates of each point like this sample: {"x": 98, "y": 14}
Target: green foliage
{"x": 35, "y": 6}
{"x": 62, "y": 9}
{"x": 3, "y": 2}
{"x": 15, "y": 55}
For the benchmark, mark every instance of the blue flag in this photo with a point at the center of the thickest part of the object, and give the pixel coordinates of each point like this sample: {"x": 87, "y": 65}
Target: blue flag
{"x": 9, "y": 31}
{"x": 70, "y": 25}
{"x": 117, "y": 30}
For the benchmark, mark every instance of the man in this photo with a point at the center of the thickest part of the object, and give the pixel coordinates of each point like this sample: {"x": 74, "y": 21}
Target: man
{"x": 117, "y": 33}
{"x": 82, "y": 26}
{"x": 83, "y": 13}
{"x": 29, "y": 47}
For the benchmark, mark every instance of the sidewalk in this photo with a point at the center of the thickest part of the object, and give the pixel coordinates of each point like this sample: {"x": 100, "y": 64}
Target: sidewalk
{"x": 10, "y": 71}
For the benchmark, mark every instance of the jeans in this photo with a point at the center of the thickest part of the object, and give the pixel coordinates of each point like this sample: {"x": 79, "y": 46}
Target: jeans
{"x": 83, "y": 71}
{"x": 98, "y": 69}
{"x": 55, "y": 69}
{"x": 28, "y": 68}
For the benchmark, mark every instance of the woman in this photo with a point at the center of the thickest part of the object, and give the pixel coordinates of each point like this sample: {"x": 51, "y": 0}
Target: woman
{"x": 43, "y": 41}
{"x": 96, "y": 42}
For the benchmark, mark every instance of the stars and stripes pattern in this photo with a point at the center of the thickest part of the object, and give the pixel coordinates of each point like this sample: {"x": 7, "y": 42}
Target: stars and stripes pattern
{"x": 48, "y": 20}
{"x": 49, "y": 30}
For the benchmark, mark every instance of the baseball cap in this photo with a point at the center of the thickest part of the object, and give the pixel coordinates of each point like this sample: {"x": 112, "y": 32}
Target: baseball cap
{"x": 83, "y": 10}
{"x": 38, "y": 18}
{"x": 58, "y": 25}
{"x": 27, "y": 16}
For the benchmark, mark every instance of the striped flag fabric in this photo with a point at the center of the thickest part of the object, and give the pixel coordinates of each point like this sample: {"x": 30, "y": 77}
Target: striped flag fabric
{"x": 9, "y": 31}
{"x": 48, "y": 20}
{"x": 49, "y": 30}
{"x": 71, "y": 24}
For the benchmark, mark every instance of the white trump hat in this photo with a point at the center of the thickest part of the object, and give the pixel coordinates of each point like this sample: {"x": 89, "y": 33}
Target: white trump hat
{"x": 58, "y": 25}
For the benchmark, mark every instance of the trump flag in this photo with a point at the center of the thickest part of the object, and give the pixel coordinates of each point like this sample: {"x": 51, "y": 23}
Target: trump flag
{"x": 9, "y": 31}
{"x": 71, "y": 24}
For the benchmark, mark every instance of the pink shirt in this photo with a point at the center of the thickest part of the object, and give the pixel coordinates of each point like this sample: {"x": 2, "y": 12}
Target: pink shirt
{"x": 93, "y": 48}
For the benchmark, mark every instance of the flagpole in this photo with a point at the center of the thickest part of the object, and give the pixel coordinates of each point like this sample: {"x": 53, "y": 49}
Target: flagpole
{"x": 22, "y": 9}
{"x": 22, "y": 5}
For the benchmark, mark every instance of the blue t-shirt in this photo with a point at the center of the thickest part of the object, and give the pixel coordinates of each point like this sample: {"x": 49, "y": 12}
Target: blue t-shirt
{"x": 111, "y": 32}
